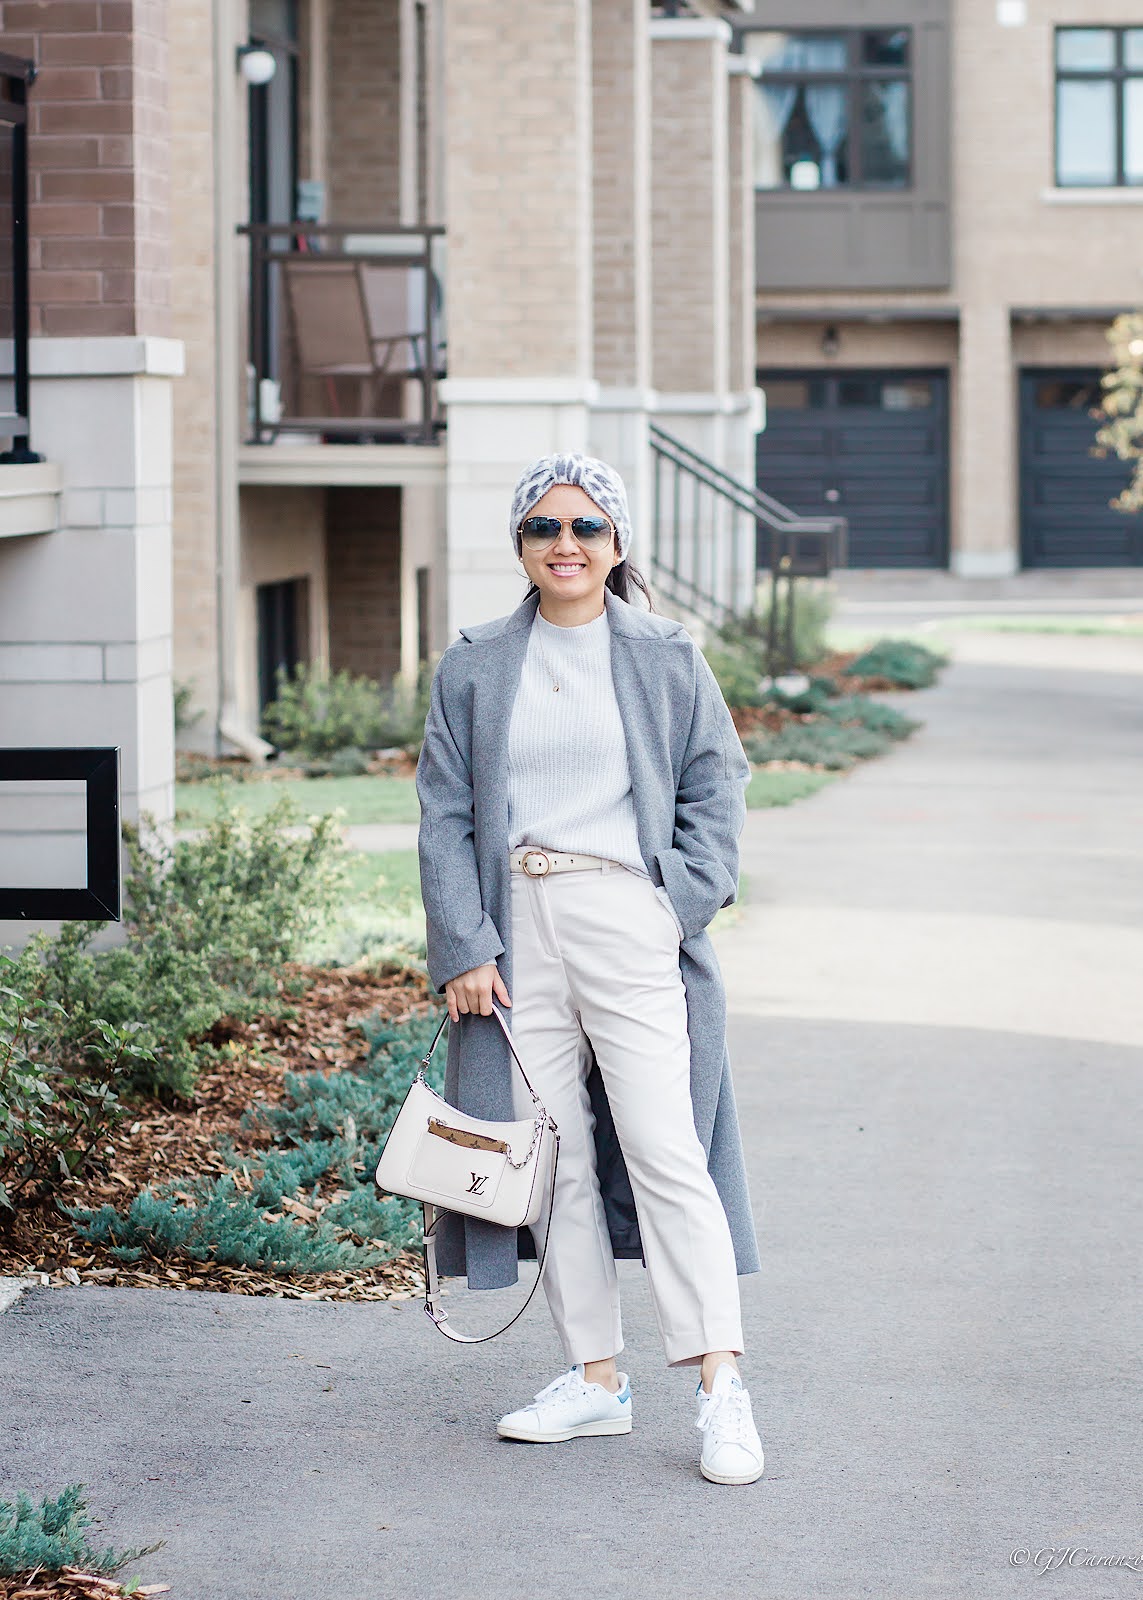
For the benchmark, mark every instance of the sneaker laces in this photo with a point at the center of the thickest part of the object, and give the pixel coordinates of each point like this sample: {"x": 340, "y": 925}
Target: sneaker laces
{"x": 727, "y": 1415}
{"x": 568, "y": 1383}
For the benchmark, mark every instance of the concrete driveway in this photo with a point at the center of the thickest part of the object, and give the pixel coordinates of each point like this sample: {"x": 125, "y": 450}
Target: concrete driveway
{"x": 937, "y": 1032}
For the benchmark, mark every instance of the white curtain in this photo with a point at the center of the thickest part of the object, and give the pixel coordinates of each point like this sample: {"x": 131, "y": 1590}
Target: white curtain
{"x": 773, "y": 107}
{"x": 825, "y": 107}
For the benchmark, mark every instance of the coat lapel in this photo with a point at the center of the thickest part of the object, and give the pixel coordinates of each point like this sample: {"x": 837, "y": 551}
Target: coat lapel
{"x": 644, "y": 691}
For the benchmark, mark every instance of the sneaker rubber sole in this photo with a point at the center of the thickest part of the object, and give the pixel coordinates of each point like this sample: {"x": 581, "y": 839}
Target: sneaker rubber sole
{"x": 726, "y": 1477}
{"x": 556, "y": 1436}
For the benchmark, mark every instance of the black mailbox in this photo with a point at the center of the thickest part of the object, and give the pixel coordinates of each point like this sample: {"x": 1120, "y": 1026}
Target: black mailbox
{"x": 98, "y": 769}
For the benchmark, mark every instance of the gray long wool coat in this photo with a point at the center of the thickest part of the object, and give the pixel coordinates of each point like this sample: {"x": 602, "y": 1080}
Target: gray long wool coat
{"x": 688, "y": 775}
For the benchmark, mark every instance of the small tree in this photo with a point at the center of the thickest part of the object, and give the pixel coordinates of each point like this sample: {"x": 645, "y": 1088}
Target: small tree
{"x": 1122, "y": 406}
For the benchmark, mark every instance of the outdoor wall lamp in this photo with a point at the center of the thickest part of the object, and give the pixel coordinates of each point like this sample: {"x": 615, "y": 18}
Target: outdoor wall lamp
{"x": 256, "y": 64}
{"x": 831, "y": 341}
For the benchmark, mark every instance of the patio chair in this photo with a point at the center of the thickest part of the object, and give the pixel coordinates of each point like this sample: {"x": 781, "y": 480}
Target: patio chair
{"x": 331, "y": 326}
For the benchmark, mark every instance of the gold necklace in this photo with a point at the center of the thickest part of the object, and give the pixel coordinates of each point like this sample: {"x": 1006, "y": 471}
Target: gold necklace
{"x": 544, "y": 659}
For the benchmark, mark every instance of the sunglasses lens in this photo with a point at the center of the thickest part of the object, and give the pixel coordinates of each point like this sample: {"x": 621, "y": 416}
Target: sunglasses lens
{"x": 591, "y": 530}
{"x": 537, "y": 531}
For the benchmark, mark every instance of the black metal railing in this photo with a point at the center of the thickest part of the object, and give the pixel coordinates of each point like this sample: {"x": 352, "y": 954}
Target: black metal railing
{"x": 346, "y": 325}
{"x": 714, "y": 536}
{"x": 16, "y": 75}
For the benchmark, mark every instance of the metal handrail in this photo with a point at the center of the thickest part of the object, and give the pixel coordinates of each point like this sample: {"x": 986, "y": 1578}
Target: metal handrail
{"x": 20, "y": 74}
{"x": 746, "y": 496}
{"x": 699, "y": 557}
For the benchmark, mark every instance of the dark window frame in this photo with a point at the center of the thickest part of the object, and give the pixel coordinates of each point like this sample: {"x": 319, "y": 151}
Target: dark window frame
{"x": 855, "y": 74}
{"x": 1118, "y": 74}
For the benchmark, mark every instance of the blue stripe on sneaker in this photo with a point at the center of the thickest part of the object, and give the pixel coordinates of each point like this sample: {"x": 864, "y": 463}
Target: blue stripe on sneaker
{"x": 625, "y": 1392}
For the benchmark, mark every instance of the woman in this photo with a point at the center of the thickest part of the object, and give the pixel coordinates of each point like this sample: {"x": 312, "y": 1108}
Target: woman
{"x": 581, "y": 786}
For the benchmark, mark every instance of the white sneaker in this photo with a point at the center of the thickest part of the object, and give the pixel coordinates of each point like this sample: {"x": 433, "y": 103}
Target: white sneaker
{"x": 569, "y": 1407}
{"x": 731, "y": 1448}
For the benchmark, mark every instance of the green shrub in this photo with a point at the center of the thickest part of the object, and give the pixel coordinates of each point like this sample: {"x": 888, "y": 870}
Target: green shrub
{"x": 209, "y": 922}
{"x": 821, "y": 743}
{"x": 738, "y": 672}
{"x": 316, "y": 714}
{"x": 901, "y": 661}
{"x": 185, "y": 717}
{"x": 872, "y": 714}
{"x": 747, "y": 635}
{"x": 54, "y": 1535}
{"x": 331, "y": 1126}
{"x": 56, "y": 1103}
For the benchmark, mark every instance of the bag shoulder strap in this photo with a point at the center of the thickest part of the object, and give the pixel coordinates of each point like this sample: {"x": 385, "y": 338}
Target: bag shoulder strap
{"x": 432, "y": 1280}
{"x": 507, "y": 1032}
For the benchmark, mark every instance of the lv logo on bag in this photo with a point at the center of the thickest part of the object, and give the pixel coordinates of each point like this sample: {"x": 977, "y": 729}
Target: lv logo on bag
{"x": 479, "y": 1179}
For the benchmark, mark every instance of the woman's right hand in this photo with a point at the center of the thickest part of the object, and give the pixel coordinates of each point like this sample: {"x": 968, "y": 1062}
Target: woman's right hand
{"x": 473, "y": 991}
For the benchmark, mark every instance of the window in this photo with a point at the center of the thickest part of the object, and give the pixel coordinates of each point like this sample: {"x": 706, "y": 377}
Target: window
{"x": 1099, "y": 107}
{"x": 832, "y": 110}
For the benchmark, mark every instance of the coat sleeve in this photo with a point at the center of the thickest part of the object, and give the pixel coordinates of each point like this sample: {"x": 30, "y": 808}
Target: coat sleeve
{"x": 700, "y": 871}
{"x": 459, "y": 932}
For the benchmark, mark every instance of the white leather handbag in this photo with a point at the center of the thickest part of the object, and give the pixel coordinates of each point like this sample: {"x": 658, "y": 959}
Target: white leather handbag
{"x": 449, "y": 1161}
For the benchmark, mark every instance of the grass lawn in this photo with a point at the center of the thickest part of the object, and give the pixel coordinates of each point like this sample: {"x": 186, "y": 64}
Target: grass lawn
{"x": 781, "y": 787}
{"x": 1132, "y": 626}
{"x": 363, "y": 799}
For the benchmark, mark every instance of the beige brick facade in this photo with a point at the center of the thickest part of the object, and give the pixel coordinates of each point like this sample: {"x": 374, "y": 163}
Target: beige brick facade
{"x": 194, "y": 156}
{"x": 621, "y": 70}
{"x": 1030, "y": 266}
{"x": 363, "y": 100}
{"x": 689, "y": 222}
{"x": 518, "y": 189}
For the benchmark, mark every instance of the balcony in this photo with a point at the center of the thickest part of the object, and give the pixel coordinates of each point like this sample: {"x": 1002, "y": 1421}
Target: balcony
{"x": 346, "y": 344}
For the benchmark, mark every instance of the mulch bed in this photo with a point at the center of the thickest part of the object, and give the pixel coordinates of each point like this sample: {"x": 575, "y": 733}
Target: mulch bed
{"x": 772, "y": 718}
{"x": 70, "y": 1583}
{"x": 158, "y": 1144}
{"x": 193, "y": 768}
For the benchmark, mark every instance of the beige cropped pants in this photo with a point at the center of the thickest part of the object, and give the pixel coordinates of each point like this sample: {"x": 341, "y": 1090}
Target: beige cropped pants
{"x": 595, "y": 956}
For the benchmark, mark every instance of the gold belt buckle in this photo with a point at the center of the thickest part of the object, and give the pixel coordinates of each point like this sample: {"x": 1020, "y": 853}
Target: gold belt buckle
{"x": 543, "y": 855}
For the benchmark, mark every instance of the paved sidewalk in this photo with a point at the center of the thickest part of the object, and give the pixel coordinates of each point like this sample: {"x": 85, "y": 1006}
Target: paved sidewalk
{"x": 937, "y": 1040}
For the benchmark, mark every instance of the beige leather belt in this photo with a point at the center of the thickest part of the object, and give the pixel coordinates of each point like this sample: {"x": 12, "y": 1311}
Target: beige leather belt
{"x": 538, "y": 863}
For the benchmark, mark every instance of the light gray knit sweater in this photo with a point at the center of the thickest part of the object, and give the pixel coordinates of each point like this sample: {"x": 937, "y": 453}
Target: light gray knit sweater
{"x": 569, "y": 785}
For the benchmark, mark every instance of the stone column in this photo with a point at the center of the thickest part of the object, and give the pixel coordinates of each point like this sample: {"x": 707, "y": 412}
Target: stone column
{"x": 986, "y": 532}
{"x": 621, "y": 189}
{"x": 518, "y": 209}
{"x": 85, "y": 608}
{"x": 85, "y": 611}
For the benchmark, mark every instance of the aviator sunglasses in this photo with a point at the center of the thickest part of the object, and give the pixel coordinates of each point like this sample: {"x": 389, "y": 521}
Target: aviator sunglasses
{"x": 538, "y": 532}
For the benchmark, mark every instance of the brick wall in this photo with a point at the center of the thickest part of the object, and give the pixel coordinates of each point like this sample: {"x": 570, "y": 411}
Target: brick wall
{"x": 363, "y": 556}
{"x": 193, "y": 321}
{"x": 740, "y": 204}
{"x": 621, "y": 67}
{"x": 688, "y": 214}
{"x": 518, "y": 202}
{"x": 364, "y": 111}
{"x": 99, "y": 162}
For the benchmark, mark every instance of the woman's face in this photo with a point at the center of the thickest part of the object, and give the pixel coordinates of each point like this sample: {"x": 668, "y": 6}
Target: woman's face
{"x": 565, "y": 570}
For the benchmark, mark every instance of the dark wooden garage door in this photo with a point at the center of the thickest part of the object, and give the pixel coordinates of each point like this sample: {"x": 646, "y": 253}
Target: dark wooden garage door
{"x": 1064, "y": 490}
{"x": 872, "y": 445}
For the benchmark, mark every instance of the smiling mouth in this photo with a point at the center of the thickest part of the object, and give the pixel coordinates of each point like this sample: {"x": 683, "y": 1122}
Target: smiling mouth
{"x": 565, "y": 568}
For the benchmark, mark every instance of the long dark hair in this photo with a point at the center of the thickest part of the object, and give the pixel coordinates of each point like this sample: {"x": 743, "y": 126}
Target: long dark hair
{"x": 624, "y": 580}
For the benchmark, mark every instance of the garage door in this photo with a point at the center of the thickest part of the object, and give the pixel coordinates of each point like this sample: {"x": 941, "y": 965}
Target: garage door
{"x": 872, "y": 445}
{"x": 1064, "y": 490}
